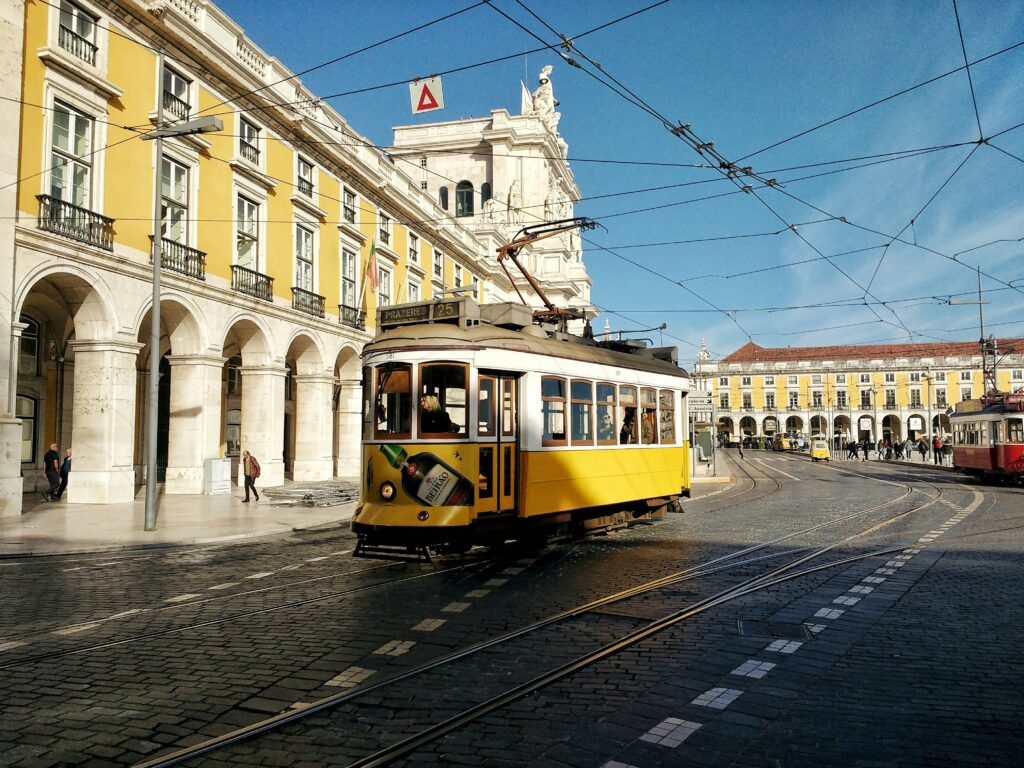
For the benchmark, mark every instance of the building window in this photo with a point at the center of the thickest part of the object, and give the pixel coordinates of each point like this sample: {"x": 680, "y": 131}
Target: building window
{"x": 745, "y": 381}
{"x": 383, "y": 286}
{"x": 423, "y": 162}
{"x": 438, "y": 265}
{"x": 865, "y": 398}
{"x": 485, "y": 191}
{"x": 840, "y": 378}
{"x": 348, "y": 206}
{"x": 77, "y": 33}
{"x": 965, "y": 393}
{"x": 841, "y": 399}
{"x": 792, "y": 381}
{"x": 414, "y": 249}
{"x": 247, "y": 234}
{"x": 1017, "y": 375}
{"x": 174, "y": 201}
{"x": 305, "y": 185}
{"x": 723, "y": 381}
{"x": 890, "y": 398}
{"x": 816, "y": 378}
{"x": 348, "y": 278}
{"x": 794, "y": 399}
{"x": 723, "y": 401}
{"x": 816, "y": 399}
{"x": 413, "y": 289}
{"x": 865, "y": 378}
{"x": 748, "y": 403}
{"x": 423, "y": 185}
{"x": 915, "y": 377}
{"x": 28, "y": 349}
{"x": 458, "y": 276}
{"x": 890, "y": 378}
{"x": 769, "y": 399}
{"x": 940, "y": 397}
{"x": 965, "y": 375}
{"x": 303, "y": 258}
{"x": 71, "y": 159}
{"x": 476, "y": 288}
{"x": 248, "y": 141}
{"x": 464, "y": 199}
{"x": 442, "y": 197}
{"x": 176, "y": 91}
{"x": 233, "y": 375}
{"x": 26, "y": 409}
{"x": 769, "y": 381}
{"x": 384, "y": 229}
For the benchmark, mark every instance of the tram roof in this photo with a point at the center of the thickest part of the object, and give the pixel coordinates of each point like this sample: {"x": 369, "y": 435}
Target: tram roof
{"x": 484, "y": 336}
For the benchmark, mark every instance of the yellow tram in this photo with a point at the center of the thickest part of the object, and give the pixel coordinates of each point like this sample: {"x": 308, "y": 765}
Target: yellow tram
{"x": 480, "y": 426}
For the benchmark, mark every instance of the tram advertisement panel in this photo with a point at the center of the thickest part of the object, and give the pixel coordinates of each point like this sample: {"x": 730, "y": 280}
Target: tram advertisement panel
{"x": 428, "y": 475}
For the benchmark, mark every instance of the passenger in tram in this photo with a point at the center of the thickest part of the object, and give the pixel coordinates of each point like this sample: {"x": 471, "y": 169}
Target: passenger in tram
{"x": 605, "y": 427}
{"x": 433, "y": 418}
{"x": 627, "y": 435}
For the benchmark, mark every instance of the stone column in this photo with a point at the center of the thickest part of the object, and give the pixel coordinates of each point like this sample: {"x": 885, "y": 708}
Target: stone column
{"x": 263, "y": 421}
{"x": 313, "y": 428}
{"x": 104, "y": 429}
{"x": 195, "y": 419}
{"x": 349, "y": 429}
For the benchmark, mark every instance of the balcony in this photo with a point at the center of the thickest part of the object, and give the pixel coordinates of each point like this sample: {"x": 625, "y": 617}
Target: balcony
{"x": 352, "y": 317}
{"x": 308, "y": 302}
{"x": 77, "y": 45}
{"x": 76, "y": 223}
{"x": 179, "y": 258}
{"x": 252, "y": 283}
{"x": 177, "y": 107}
{"x": 305, "y": 186}
{"x": 249, "y": 152}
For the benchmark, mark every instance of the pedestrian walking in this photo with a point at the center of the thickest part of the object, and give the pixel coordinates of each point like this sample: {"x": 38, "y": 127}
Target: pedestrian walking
{"x": 51, "y": 469}
{"x": 251, "y": 470}
{"x": 937, "y": 448}
{"x": 65, "y": 470}
{"x": 867, "y": 449}
{"x": 922, "y": 448}
{"x": 854, "y": 450}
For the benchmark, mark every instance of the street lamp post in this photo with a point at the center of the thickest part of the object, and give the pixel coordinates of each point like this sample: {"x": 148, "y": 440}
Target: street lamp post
{"x": 198, "y": 125}
{"x": 927, "y": 376}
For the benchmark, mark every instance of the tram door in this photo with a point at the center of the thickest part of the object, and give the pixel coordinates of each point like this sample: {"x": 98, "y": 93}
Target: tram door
{"x": 498, "y": 436}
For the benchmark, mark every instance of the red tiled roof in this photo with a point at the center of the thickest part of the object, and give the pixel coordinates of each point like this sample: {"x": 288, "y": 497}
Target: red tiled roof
{"x": 752, "y": 353}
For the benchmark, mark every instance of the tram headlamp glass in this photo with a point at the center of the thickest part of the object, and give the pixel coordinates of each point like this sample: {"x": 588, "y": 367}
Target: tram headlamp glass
{"x": 387, "y": 490}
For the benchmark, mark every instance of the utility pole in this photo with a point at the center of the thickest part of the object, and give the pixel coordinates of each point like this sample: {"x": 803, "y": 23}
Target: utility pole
{"x": 199, "y": 125}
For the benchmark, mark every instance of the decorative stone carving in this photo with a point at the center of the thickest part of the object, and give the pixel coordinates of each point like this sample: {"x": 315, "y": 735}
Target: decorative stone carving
{"x": 544, "y": 101}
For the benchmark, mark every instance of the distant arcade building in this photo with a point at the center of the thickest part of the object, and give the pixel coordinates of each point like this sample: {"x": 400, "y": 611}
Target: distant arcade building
{"x": 870, "y": 392}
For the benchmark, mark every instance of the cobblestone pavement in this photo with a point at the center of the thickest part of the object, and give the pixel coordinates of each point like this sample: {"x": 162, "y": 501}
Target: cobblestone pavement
{"x": 908, "y": 658}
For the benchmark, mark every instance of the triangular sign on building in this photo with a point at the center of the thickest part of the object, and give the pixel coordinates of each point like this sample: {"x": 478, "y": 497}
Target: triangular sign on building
{"x": 426, "y": 95}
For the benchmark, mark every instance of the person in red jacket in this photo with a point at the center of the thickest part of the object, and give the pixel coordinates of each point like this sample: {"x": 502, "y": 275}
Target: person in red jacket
{"x": 251, "y": 470}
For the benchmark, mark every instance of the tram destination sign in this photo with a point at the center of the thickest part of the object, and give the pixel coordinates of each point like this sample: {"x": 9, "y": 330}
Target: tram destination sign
{"x": 421, "y": 312}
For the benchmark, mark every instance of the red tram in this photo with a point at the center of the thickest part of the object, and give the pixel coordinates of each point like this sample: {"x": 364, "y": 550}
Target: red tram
{"x": 988, "y": 437}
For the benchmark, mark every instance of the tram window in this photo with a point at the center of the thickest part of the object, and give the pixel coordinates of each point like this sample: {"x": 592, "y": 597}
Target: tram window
{"x": 442, "y": 400}
{"x": 485, "y": 424}
{"x": 1015, "y": 430}
{"x": 508, "y": 407}
{"x": 627, "y": 415}
{"x": 485, "y": 482}
{"x": 606, "y": 414}
{"x": 552, "y": 391}
{"x": 648, "y": 417}
{"x": 393, "y": 400}
{"x": 582, "y": 393}
{"x": 667, "y": 411}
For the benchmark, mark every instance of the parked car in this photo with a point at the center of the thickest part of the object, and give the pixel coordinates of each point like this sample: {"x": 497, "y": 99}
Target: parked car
{"x": 819, "y": 451}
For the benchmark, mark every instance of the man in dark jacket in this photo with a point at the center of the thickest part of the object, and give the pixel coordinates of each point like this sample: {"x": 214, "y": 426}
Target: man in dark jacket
{"x": 65, "y": 470}
{"x": 51, "y": 468}
{"x": 251, "y": 470}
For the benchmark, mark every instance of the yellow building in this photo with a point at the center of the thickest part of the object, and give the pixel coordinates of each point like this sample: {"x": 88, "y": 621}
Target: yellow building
{"x": 890, "y": 391}
{"x": 281, "y": 231}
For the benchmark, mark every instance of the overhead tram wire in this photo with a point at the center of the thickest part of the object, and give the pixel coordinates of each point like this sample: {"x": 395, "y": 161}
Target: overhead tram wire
{"x": 967, "y": 67}
{"x": 881, "y": 101}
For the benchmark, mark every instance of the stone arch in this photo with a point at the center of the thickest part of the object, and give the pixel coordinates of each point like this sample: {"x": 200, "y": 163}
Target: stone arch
{"x": 841, "y": 426}
{"x": 794, "y": 425}
{"x": 180, "y": 320}
{"x": 892, "y": 428}
{"x": 347, "y": 411}
{"x": 307, "y": 351}
{"x": 68, "y": 289}
{"x": 819, "y": 425}
{"x": 770, "y": 425}
{"x": 249, "y": 336}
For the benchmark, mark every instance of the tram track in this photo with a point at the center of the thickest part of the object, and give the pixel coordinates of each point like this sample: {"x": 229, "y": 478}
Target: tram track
{"x": 753, "y": 486}
{"x": 804, "y": 563}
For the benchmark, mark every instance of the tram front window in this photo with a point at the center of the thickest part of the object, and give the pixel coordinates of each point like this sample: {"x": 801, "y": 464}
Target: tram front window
{"x": 1015, "y": 430}
{"x": 393, "y": 406}
{"x": 442, "y": 398}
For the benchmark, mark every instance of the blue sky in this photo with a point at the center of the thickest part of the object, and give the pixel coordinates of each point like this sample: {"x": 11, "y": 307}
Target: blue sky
{"x": 744, "y": 76}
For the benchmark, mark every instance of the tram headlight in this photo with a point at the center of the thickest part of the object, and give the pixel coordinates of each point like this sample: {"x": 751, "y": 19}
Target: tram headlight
{"x": 387, "y": 490}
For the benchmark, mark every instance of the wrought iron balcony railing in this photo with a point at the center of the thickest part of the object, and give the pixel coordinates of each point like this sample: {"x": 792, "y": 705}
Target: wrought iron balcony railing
{"x": 77, "y": 45}
{"x": 249, "y": 151}
{"x": 77, "y": 223}
{"x": 308, "y": 302}
{"x": 179, "y": 258}
{"x": 176, "y": 106}
{"x": 352, "y": 317}
{"x": 251, "y": 282}
{"x": 305, "y": 186}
